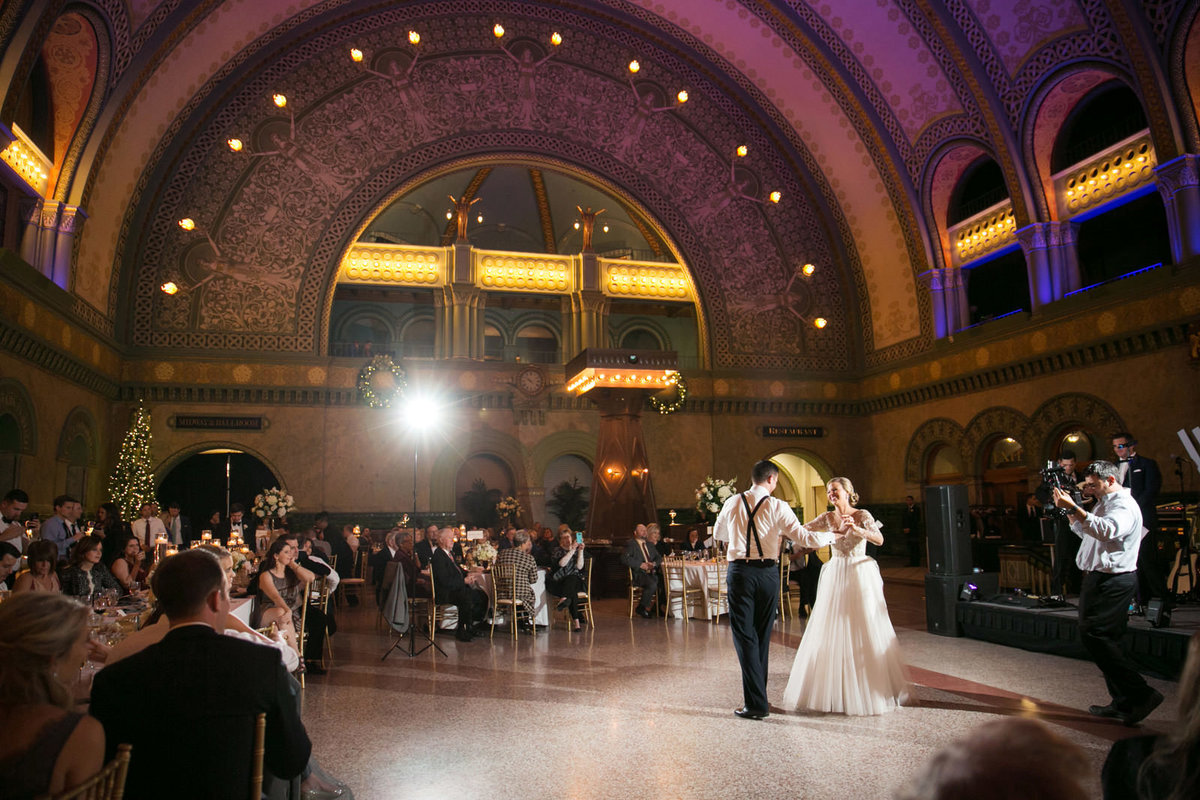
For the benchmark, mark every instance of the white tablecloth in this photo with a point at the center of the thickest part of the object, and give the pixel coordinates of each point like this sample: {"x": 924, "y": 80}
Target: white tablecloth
{"x": 240, "y": 608}
{"x": 541, "y": 609}
{"x": 696, "y": 577}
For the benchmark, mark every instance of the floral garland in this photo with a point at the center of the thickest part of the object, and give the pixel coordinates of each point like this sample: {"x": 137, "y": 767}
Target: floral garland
{"x": 381, "y": 398}
{"x": 671, "y": 406}
{"x": 713, "y": 493}
{"x": 273, "y": 502}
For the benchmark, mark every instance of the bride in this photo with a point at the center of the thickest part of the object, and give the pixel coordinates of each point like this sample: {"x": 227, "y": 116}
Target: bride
{"x": 849, "y": 660}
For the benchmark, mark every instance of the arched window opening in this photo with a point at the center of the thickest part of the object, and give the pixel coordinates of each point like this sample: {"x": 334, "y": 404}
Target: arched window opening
{"x": 537, "y": 345}
{"x": 1110, "y": 114}
{"x": 10, "y": 451}
{"x": 78, "y": 455}
{"x": 981, "y": 187}
{"x": 641, "y": 339}
{"x": 418, "y": 338}
{"x": 493, "y": 343}
{"x": 1124, "y": 239}
{"x": 997, "y": 287}
{"x": 364, "y": 336}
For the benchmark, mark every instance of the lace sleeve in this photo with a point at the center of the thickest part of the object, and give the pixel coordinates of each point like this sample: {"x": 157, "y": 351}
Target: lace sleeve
{"x": 820, "y": 524}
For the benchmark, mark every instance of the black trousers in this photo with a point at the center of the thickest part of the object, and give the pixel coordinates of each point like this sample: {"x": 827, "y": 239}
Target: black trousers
{"x": 649, "y": 583}
{"x": 472, "y": 605}
{"x": 1066, "y": 575}
{"x": 753, "y": 602}
{"x": 1103, "y": 618}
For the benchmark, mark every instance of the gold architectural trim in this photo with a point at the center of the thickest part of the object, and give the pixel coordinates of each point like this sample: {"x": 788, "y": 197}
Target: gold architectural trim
{"x": 394, "y": 265}
{"x": 983, "y": 233}
{"x": 28, "y": 162}
{"x": 1117, "y": 170}
{"x": 538, "y": 273}
{"x": 645, "y": 280}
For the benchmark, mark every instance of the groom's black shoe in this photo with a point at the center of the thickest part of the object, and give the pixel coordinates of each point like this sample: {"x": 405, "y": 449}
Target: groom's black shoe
{"x": 746, "y": 713}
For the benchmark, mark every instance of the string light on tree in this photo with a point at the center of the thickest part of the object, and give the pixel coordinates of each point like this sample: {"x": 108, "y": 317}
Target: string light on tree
{"x": 131, "y": 482}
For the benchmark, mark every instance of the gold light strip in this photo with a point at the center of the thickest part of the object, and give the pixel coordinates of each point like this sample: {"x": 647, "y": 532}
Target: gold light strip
{"x": 524, "y": 272}
{"x": 25, "y": 159}
{"x": 988, "y": 230}
{"x": 629, "y": 378}
{"x": 1119, "y": 169}
{"x": 645, "y": 280}
{"x": 393, "y": 265}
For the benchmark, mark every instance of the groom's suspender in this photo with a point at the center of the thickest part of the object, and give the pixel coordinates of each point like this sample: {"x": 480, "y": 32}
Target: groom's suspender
{"x": 751, "y": 530}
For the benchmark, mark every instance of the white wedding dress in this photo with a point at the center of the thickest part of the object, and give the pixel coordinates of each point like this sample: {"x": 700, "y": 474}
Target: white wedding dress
{"x": 849, "y": 660}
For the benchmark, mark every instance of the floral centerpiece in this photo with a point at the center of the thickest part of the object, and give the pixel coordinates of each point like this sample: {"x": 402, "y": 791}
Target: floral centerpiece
{"x": 273, "y": 504}
{"x": 713, "y": 493}
{"x": 508, "y": 509}
{"x": 484, "y": 553}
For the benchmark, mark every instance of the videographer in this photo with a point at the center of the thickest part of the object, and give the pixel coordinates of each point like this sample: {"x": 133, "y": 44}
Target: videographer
{"x": 1065, "y": 578}
{"x": 1108, "y": 552}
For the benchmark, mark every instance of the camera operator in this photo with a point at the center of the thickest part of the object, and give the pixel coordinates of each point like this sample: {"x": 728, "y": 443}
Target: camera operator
{"x": 1108, "y": 552}
{"x": 1065, "y": 578}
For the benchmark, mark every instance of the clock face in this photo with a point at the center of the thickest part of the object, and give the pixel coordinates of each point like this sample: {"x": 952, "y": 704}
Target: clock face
{"x": 531, "y": 381}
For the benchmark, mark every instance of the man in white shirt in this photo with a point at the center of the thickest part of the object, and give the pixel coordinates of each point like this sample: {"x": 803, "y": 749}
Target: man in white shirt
{"x": 755, "y": 524}
{"x": 1108, "y": 557}
{"x": 11, "y": 528}
{"x": 147, "y": 527}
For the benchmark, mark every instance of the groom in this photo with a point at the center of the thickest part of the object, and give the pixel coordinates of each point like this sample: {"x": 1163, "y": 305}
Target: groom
{"x": 754, "y": 523}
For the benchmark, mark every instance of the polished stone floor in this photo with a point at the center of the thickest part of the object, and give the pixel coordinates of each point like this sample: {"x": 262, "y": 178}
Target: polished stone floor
{"x": 643, "y": 708}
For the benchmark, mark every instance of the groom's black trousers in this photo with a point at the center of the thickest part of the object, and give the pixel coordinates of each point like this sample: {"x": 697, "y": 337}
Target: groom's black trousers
{"x": 753, "y": 600}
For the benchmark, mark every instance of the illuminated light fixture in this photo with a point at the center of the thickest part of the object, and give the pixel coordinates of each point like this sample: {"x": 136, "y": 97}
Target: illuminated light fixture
{"x": 742, "y": 150}
{"x": 498, "y": 30}
{"x": 605, "y": 229}
{"x": 776, "y": 196}
{"x": 235, "y": 144}
{"x": 449, "y": 215}
{"x": 414, "y": 37}
{"x": 1010, "y": 440}
{"x": 169, "y": 287}
{"x": 576, "y": 226}
{"x": 808, "y": 269}
{"x": 479, "y": 218}
{"x": 279, "y": 100}
{"x": 1073, "y": 438}
{"x": 634, "y": 66}
{"x": 188, "y": 224}
{"x": 682, "y": 97}
{"x": 820, "y": 322}
{"x": 556, "y": 38}
{"x": 356, "y": 55}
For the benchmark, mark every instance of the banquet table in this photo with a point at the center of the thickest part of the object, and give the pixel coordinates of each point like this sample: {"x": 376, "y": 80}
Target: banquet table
{"x": 696, "y": 577}
{"x": 541, "y": 608}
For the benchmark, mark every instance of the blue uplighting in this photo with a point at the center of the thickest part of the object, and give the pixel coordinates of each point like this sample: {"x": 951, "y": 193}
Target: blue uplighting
{"x": 1114, "y": 280}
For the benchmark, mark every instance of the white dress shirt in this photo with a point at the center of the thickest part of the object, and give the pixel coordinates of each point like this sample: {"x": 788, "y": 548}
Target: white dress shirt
{"x": 147, "y": 537}
{"x": 1111, "y": 533}
{"x": 773, "y": 522}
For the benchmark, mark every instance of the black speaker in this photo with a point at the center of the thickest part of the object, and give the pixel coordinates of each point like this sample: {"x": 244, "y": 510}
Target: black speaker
{"x": 948, "y": 530}
{"x": 941, "y": 598}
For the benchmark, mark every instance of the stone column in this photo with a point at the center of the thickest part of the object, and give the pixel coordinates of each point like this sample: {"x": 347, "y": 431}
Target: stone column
{"x": 459, "y": 317}
{"x": 585, "y": 322}
{"x": 1179, "y": 184}
{"x": 31, "y": 223}
{"x": 69, "y": 221}
{"x": 1051, "y": 259}
{"x": 624, "y": 497}
{"x": 948, "y": 292}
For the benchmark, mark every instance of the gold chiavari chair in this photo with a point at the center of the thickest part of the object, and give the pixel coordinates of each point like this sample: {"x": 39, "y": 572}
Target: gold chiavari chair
{"x": 437, "y": 611}
{"x": 785, "y": 586}
{"x": 635, "y": 595}
{"x": 714, "y": 578}
{"x": 585, "y": 597}
{"x": 256, "y": 764}
{"x": 301, "y": 633}
{"x": 355, "y": 582}
{"x": 504, "y": 577}
{"x": 107, "y": 784}
{"x": 675, "y": 579}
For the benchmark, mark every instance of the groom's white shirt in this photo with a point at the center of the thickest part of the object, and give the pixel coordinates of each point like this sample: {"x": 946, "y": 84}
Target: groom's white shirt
{"x": 774, "y": 521}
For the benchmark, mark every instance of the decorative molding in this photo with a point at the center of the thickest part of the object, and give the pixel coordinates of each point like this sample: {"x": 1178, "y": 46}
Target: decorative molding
{"x": 931, "y": 432}
{"x": 15, "y": 400}
{"x": 23, "y": 345}
{"x": 79, "y": 423}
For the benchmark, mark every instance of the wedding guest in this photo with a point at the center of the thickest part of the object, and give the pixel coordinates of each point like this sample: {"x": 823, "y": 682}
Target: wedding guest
{"x": 453, "y": 587}
{"x": 694, "y": 544}
{"x": 654, "y": 537}
{"x": 237, "y": 523}
{"x": 317, "y": 623}
{"x": 315, "y": 563}
{"x": 379, "y": 559}
{"x": 10, "y": 556}
{"x": 1162, "y": 766}
{"x": 280, "y": 585}
{"x": 197, "y": 741}
{"x": 567, "y": 579}
{"x": 1008, "y": 759}
{"x": 148, "y": 527}
{"x": 129, "y": 567}
{"x": 642, "y": 560}
{"x": 12, "y": 531}
{"x": 418, "y": 579}
{"x": 320, "y": 523}
{"x": 345, "y": 555}
{"x": 85, "y": 574}
{"x": 424, "y": 548}
{"x": 46, "y": 747}
{"x": 63, "y": 529}
{"x": 40, "y": 577}
{"x": 524, "y": 576}
{"x": 112, "y": 529}
{"x": 179, "y": 527}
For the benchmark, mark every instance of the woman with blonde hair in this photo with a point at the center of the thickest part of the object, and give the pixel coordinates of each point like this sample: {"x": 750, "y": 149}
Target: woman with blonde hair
{"x": 46, "y": 748}
{"x": 849, "y": 660}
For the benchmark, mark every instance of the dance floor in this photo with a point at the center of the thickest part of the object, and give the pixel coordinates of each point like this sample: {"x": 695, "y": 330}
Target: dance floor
{"x": 643, "y": 708}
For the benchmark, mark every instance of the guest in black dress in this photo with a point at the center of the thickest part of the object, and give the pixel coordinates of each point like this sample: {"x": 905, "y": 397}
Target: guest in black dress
{"x": 694, "y": 543}
{"x": 567, "y": 578}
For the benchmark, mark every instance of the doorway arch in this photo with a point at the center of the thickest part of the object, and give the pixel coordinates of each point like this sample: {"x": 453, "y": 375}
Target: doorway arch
{"x": 802, "y": 479}
{"x": 482, "y": 480}
{"x": 196, "y": 479}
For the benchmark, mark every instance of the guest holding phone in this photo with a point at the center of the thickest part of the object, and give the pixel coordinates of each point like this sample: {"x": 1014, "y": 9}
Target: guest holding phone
{"x": 566, "y": 580}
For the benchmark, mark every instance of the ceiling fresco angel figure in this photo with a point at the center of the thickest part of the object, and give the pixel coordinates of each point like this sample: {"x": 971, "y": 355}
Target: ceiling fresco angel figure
{"x": 527, "y": 69}
{"x": 644, "y": 108}
{"x": 400, "y": 78}
{"x": 739, "y": 187}
{"x": 794, "y": 299}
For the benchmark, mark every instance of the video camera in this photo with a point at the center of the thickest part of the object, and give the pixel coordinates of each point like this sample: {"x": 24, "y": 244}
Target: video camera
{"x": 1055, "y": 477}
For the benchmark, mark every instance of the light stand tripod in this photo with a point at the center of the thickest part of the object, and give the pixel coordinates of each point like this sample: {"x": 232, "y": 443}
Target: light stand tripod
{"x": 413, "y": 629}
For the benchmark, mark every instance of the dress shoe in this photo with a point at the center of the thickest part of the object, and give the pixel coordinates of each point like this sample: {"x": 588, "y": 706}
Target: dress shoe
{"x": 643, "y": 613}
{"x": 1109, "y": 711}
{"x": 314, "y": 668}
{"x": 1142, "y": 710}
{"x": 746, "y": 713}
{"x": 320, "y": 794}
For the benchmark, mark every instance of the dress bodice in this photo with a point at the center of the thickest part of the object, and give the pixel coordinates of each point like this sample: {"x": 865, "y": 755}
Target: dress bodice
{"x": 851, "y": 545}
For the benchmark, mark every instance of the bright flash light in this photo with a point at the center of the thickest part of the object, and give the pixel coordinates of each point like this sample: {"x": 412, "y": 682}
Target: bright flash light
{"x": 606, "y": 229}
{"x": 820, "y": 322}
{"x": 235, "y": 145}
{"x": 449, "y": 215}
{"x": 424, "y": 412}
{"x": 776, "y": 196}
{"x": 188, "y": 224}
{"x": 682, "y": 96}
{"x": 742, "y": 150}
{"x": 556, "y": 38}
{"x": 356, "y": 55}
{"x": 414, "y": 37}
{"x": 809, "y": 269}
{"x": 279, "y": 99}
{"x": 634, "y": 66}
{"x": 498, "y": 30}
{"x": 169, "y": 288}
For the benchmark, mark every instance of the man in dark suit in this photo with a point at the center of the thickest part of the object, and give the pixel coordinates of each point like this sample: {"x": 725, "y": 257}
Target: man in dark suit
{"x": 642, "y": 560}
{"x": 236, "y": 522}
{"x": 378, "y": 561}
{"x": 202, "y": 689}
{"x": 1140, "y": 475}
{"x": 451, "y": 586}
{"x": 179, "y": 527}
{"x": 424, "y": 548}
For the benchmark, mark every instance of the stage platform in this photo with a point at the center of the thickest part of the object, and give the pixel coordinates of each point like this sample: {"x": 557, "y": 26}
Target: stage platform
{"x": 1159, "y": 652}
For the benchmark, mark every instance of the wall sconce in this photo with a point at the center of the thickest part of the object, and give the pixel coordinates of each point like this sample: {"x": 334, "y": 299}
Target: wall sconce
{"x": 613, "y": 473}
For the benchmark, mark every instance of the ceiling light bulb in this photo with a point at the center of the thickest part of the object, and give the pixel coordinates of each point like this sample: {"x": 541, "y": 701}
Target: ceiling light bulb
{"x": 576, "y": 226}
{"x": 235, "y": 145}
{"x": 169, "y": 287}
{"x": 498, "y": 30}
{"x": 742, "y": 150}
{"x": 279, "y": 99}
{"x": 187, "y": 223}
{"x": 414, "y": 37}
{"x": 776, "y": 196}
{"x": 479, "y": 218}
{"x": 356, "y": 55}
{"x": 820, "y": 322}
{"x": 606, "y": 229}
{"x": 634, "y": 66}
{"x": 809, "y": 269}
{"x": 449, "y": 215}
{"x": 682, "y": 96}
{"x": 556, "y": 38}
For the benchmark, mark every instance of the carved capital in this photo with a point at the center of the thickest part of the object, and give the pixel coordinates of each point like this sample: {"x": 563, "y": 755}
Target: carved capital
{"x": 1177, "y": 174}
{"x": 71, "y": 219}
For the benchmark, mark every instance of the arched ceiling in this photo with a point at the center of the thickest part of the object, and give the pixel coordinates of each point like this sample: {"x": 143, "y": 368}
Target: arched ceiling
{"x": 846, "y": 108}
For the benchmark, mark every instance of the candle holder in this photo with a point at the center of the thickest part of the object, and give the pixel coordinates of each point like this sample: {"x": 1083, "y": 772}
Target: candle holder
{"x": 671, "y": 514}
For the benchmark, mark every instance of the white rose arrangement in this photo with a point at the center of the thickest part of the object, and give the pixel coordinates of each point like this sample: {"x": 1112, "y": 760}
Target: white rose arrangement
{"x": 713, "y": 493}
{"x": 273, "y": 502}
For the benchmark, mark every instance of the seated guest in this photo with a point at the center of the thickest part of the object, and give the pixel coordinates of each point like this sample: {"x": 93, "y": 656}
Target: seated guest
{"x": 315, "y": 563}
{"x": 506, "y": 539}
{"x": 424, "y": 548}
{"x": 46, "y": 747}
{"x": 85, "y": 575}
{"x": 205, "y": 690}
{"x": 1161, "y": 766}
{"x": 279, "y": 587}
{"x": 345, "y": 554}
{"x": 526, "y": 573}
{"x": 10, "y": 556}
{"x": 418, "y": 579}
{"x": 379, "y": 559}
{"x": 237, "y": 523}
{"x": 566, "y": 578}
{"x": 654, "y": 537}
{"x": 317, "y": 623}
{"x": 129, "y": 567}
{"x": 40, "y": 577}
{"x": 111, "y": 529}
{"x": 451, "y": 586}
{"x": 543, "y": 547}
{"x": 694, "y": 544}
{"x": 1009, "y": 759}
{"x": 642, "y": 560}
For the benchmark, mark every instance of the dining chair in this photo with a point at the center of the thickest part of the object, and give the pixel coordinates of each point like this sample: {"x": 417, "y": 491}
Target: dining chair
{"x": 437, "y": 611}
{"x": 635, "y": 595}
{"x": 584, "y": 602}
{"x": 321, "y": 601}
{"x": 256, "y": 755}
{"x": 355, "y": 582}
{"x": 107, "y": 784}
{"x": 675, "y": 579}
{"x": 714, "y": 579}
{"x": 785, "y": 587}
{"x": 301, "y": 633}
{"x": 504, "y": 582}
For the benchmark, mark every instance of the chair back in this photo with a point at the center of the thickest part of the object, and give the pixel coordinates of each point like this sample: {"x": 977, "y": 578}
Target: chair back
{"x": 256, "y": 764}
{"x": 107, "y": 784}
{"x": 301, "y": 635}
{"x": 504, "y": 577}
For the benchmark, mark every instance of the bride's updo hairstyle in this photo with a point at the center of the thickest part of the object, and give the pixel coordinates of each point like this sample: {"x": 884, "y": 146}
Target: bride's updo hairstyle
{"x": 848, "y": 486}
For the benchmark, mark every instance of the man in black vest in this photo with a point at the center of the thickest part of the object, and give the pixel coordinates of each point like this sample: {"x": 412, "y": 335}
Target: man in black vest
{"x": 754, "y": 524}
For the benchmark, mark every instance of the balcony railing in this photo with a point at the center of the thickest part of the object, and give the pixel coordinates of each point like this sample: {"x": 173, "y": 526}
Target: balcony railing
{"x": 1112, "y": 173}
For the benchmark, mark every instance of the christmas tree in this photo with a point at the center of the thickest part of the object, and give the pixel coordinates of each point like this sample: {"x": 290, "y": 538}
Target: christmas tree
{"x": 131, "y": 482}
